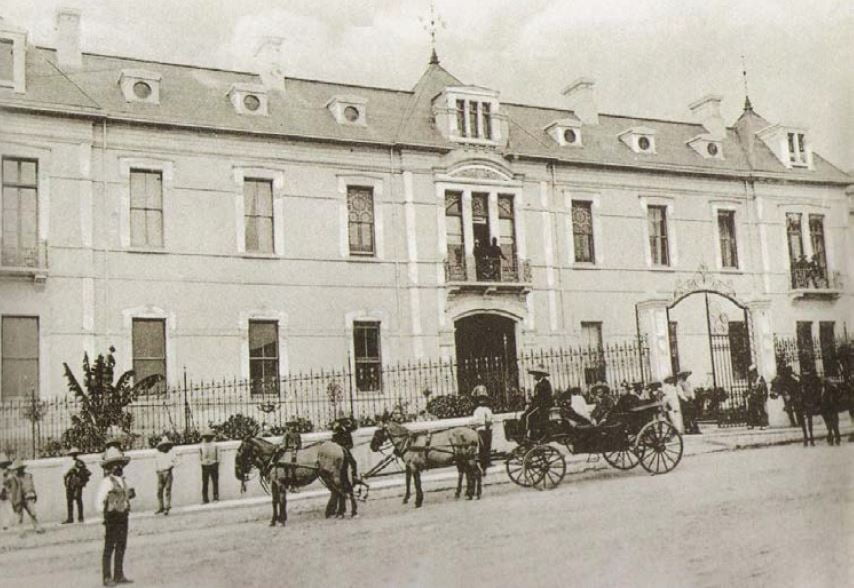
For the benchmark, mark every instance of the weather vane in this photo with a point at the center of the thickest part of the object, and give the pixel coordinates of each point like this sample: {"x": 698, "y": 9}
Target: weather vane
{"x": 747, "y": 104}
{"x": 431, "y": 25}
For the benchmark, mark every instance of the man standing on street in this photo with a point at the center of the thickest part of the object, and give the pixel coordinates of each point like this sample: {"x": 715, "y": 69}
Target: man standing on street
{"x": 688, "y": 402}
{"x": 113, "y": 502}
{"x": 75, "y": 480}
{"x": 209, "y": 457}
{"x": 164, "y": 462}
{"x": 482, "y": 422}
{"x": 758, "y": 394}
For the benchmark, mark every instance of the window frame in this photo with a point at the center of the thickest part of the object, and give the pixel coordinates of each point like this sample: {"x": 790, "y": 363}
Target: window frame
{"x": 362, "y": 250}
{"x": 255, "y": 218}
{"x": 147, "y": 244}
{"x": 18, "y": 186}
{"x": 275, "y": 359}
{"x": 166, "y": 169}
{"x": 164, "y": 359}
{"x": 591, "y": 235}
{"x": 4, "y": 356}
{"x": 659, "y": 244}
{"x": 363, "y": 325}
{"x": 376, "y": 184}
{"x": 599, "y": 370}
{"x": 727, "y": 244}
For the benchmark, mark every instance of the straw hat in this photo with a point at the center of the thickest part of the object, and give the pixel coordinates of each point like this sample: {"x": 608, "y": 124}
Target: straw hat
{"x": 539, "y": 369}
{"x": 73, "y": 451}
{"x": 670, "y": 380}
{"x": 208, "y": 432}
{"x": 165, "y": 443}
{"x": 684, "y": 374}
{"x": 752, "y": 368}
{"x": 114, "y": 455}
{"x": 5, "y": 460}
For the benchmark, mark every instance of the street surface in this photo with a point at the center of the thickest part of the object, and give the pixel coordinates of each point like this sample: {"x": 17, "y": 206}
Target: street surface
{"x": 778, "y": 516}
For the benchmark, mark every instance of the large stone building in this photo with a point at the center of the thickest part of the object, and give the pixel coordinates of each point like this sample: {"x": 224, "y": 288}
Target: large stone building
{"x": 239, "y": 224}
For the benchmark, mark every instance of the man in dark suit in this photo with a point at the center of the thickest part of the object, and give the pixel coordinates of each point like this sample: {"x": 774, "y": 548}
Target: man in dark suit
{"x": 537, "y": 414}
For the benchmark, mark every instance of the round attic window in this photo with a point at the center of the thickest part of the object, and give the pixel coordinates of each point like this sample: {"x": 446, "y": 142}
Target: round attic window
{"x": 712, "y": 149}
{"x": 251, "y": 102}
{"x": 643, "y": 143}
{"x": 570, "y": 136}
{"x": 351, "y": 113}
{"x": 141, "y": 90}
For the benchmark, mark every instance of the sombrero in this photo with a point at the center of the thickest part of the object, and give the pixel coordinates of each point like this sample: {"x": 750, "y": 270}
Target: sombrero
{"x": 670, "y": 380}
{"x": 654, "y": 385}
{"x": 539, "y": 369}
{"x": 684, "y": 374}
{"x": 599, "y": 386}
{"x": 74, "y": 451}
{"x": 113, "y": 440}
{"x": 165, "y": 442}
{"x": 208, "y": 432}
{"x": 114, "y": 455}
{"x": 17, "y": 464}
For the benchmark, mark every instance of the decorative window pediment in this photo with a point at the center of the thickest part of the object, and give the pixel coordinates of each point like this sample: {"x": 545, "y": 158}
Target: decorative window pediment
{"x": 566, "y": 132}
{"x": 707, "y": 146}
{"x": 639, "y": 139}
{"x": 250, "y": 99}
{"x": 789, "y": 144}
{"x": 349, "y": 110}
{"x": 140, "y": 85}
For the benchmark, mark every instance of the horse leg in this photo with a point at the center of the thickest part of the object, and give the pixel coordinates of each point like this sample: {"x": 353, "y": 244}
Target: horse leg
{"x": 419, "y": 495}
{"x": 809, "y": 426}
{"x": 354, "y": 511}
{"x": 459, "y": 480}
{"x": 283, "y": 505}
{"x": 478, "y": 478}
{"x": 802, "y": 421}
{"x": 408, "y": 480}
{"x": 333, "y": 502}
{"x": 274, "y": 493}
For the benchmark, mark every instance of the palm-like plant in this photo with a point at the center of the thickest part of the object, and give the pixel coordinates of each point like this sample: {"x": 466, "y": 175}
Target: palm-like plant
{"x": 103, "y": 403}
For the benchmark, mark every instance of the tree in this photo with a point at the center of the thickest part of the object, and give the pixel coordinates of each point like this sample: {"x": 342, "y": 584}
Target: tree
{"x": 103, "y": 403}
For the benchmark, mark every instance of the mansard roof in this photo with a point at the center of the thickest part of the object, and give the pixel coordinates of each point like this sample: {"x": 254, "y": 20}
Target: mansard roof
{"x": 192, "y": 96}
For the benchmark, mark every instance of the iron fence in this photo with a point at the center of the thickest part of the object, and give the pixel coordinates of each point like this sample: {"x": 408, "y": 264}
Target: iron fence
{"x": 405, "y": 391}
{"x": 831, "y": 358}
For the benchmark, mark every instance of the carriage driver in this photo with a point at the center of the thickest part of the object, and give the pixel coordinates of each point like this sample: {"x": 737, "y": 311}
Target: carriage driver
{"x": 342, "y": 434}
{"x": 536, "y": 416}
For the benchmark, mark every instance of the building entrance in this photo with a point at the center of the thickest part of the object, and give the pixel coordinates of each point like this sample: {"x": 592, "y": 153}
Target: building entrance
{"x": 486, "y": 353}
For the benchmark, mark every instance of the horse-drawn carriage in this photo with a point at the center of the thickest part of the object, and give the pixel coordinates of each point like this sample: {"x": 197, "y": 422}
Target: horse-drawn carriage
{"x": 626, "y": 437}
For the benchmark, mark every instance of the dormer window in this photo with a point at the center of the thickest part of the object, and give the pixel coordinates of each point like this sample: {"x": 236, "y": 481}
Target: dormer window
{"x": 639, "y": 139}
{"x": 707, "y": 146}
{"x": 349, "y": 110}
{"x": 797, "y": 149}
{"x": 469, "y": 114}
{"x": 138, "y": 85}
{"x": 13, "y": 45}
{"x": 250, "y": 99}
{"x": 565, "y": 132}
{"x": 474, "y": 119}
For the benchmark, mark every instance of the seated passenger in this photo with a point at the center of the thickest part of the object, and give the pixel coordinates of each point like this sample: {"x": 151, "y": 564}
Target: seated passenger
{"x": 604, "y": 401}
{"x": 578, "y": 411}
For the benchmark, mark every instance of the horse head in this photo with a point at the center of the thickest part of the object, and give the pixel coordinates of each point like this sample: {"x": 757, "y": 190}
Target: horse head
{"x": 380, "y": 437}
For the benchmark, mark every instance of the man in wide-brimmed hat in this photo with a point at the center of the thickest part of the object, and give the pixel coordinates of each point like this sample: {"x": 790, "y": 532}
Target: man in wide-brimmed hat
{"x": 113, "y": 501}
{"x": 22, "y": 493}
{"x": 537, "y": 414}
{"x": 601, "y": 393}
{"x": 209, "y": 457}
{"x": 757, "y": 416}
{"x": 75, "y": 480}
{"x": 164, "y": 462}
{"x": 688, "y": 402}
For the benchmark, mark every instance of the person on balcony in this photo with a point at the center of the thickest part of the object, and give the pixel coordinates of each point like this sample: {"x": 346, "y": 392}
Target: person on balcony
{"x": 494, "y": 255}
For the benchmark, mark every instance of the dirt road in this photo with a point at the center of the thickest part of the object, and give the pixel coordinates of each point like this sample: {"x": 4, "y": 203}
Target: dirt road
{"x": 781, "y": 516}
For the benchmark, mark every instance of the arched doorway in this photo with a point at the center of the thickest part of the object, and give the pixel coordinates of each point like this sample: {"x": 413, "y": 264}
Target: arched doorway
{"x": 486, "y": 352}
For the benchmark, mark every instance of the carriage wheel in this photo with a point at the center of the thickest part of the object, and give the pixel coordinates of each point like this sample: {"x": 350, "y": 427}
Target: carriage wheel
{"x": 545, "y": 466}
{"x": 661, "y": 444}
{"x": 623, "y": 460}
{"x": 515, "y": 465}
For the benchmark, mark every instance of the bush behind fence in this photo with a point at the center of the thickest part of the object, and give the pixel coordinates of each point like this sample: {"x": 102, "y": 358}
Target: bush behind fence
{"x": 405, "y": 392}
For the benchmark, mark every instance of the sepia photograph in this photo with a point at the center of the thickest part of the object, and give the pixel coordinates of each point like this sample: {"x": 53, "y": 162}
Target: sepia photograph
{"x": 426, "y": 293}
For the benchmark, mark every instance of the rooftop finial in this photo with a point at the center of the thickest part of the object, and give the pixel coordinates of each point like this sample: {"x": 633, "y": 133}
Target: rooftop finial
{"x": 431, "y": 25}
{"x": 747, "y": 104}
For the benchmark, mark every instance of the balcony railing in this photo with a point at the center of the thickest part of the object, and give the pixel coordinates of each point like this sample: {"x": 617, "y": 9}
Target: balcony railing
{"x": 24, "y": 261}
{"x": 489, "y": 270}
{"x": 811, "y": 276}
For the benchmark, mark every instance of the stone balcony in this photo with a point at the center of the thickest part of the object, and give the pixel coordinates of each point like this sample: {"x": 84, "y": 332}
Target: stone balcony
{"x": 488, "y": 275}
{"x": 811, "y": 280}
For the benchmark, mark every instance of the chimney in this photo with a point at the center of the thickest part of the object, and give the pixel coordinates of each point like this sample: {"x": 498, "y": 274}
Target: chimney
{"x": 268, "y": 57}
{"x": 707, "y": 112}
{"x": 582, "y": 100}
{"x": 68, "y": 37}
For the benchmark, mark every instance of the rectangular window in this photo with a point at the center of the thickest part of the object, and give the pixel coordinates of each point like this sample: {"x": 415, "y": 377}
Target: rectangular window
{"x": 806, "y": 353}
{"x": 726, "y": 230}
{"x": 674, "y": 347}
{"x": 454, "y": 235}
{"x": 258, "y": 215}
{"x": 20, "y": 357}
{"x": 20, "y": 213}
{"x": 368, "y": 361}
{"x": 486, "y": 114}
{"x": 474, "y": 131}
{"x": 819, "y": 253}
{"x": 827, "y": 342}
{"x": 797, "y": 148}
{"x": 7, "y": 60}
{"x": 739, "y": 349}
{"x": 461, "y": 117}
{"x": 149, "y": 348}
{"x": 582, "y": 231}
{"x": 360, "y": 209}
{"x": 797, "y": 258}
{"x": 146, "y": 208}
{"x": 657, "y": 217}
{"x": 264, "y": 357}
{"x": 507, "y": 237}
{"x": 591, "y": 337}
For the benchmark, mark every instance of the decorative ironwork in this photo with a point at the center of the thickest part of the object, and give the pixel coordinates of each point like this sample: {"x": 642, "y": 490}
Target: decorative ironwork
{"x": 480, "y": 173}
{"x": 703, "y": 280}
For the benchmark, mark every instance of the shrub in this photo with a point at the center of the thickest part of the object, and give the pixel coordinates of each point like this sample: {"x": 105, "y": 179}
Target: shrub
{"x": 450, "y": 406}
{"x": 52, "y": 448}
{"x": 303, "y": 425}
{"x": 177, "y": 437}
{"x": 237, "y": 427}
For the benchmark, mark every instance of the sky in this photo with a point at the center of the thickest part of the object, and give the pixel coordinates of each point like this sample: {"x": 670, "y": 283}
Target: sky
{"x": 649, "y": 58}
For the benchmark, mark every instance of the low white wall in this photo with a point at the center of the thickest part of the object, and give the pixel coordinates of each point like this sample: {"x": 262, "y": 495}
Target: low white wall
{"x": 187, "y": 486}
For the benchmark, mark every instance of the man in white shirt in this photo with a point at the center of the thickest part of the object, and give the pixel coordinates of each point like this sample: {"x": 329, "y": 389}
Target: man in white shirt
{"x": 482, "y": 422}
{"x": 164, "y": 461}
{"x": 112, "y": 500}
{"x": 209, "y": 457}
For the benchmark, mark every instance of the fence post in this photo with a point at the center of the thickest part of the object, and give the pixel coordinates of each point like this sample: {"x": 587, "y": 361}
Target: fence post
{"x": 350, "y": 384}
{"x": 33, "y": 418}
{"x": 186, "y": 405}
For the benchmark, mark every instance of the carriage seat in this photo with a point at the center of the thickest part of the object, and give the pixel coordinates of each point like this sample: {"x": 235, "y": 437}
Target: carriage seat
{"x": 647, "y": 406}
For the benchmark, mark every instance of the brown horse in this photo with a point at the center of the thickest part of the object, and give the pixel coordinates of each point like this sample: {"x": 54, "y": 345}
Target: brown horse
{"x": 802, "y": 396}
{"x": 458, "y": 446}
{"x": 323, "y": 460}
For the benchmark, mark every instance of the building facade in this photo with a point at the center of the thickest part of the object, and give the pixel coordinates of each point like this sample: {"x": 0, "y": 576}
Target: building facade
{"x": 247, "y": 224}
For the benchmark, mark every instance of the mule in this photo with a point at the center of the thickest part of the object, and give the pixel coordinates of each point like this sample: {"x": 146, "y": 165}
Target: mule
{"x": 458, "y": 446}
{"x": 325, "y": 460}
{"x": 802, "y": 397}
{"x": 832, "y": 401}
